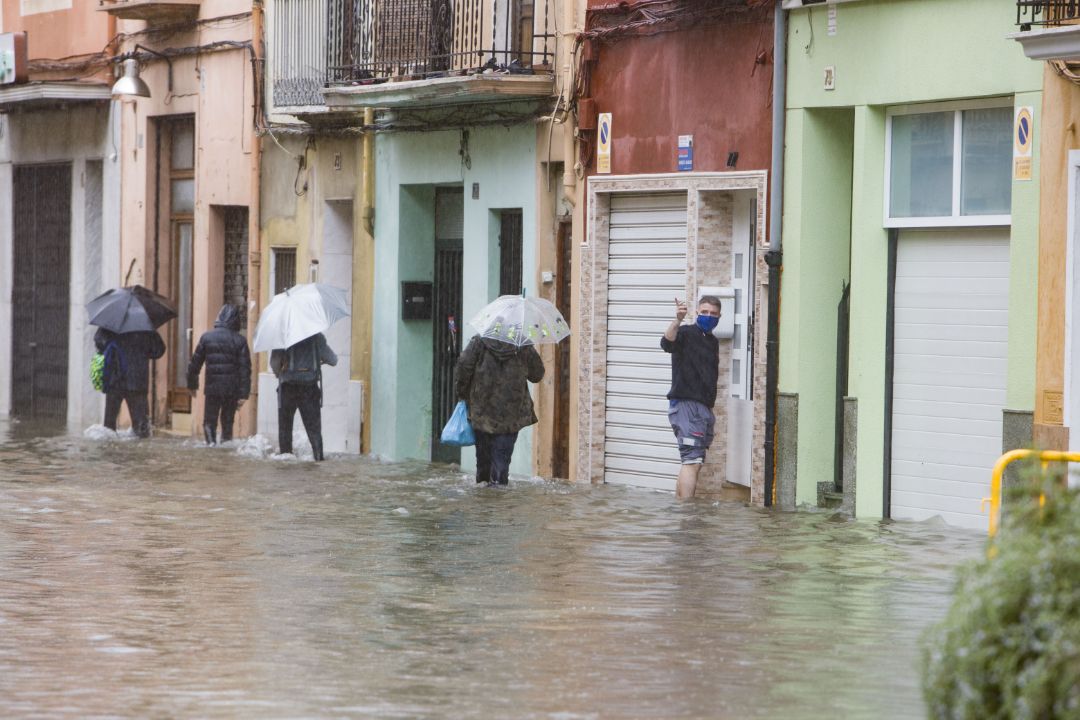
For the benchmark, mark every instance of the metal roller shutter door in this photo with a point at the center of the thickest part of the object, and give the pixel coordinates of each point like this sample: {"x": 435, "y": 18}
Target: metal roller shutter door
{"x": 646, "y": 272}
{"x": 949, "y": 374}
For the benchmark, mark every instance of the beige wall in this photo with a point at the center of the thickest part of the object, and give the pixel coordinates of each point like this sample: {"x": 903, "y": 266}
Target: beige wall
{"x": 217, "y": 88}
{"x": 1060, "y": 133}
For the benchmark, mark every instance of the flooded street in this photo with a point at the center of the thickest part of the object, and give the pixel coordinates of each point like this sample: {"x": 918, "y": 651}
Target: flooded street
{"x": 161, "y": 579}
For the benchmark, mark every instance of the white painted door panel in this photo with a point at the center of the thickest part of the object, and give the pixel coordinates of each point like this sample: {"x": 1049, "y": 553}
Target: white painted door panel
{"x": 950, "y": 353}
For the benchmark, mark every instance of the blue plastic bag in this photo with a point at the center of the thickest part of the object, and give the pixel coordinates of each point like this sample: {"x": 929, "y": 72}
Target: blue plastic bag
{"x": 457, "y": 430}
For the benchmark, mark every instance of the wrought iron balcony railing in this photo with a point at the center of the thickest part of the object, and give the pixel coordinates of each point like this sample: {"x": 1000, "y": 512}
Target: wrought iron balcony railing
{"x": 1047, "y": 12}
{"x": 412, "y": 39}
{"x": 315, "y": 43}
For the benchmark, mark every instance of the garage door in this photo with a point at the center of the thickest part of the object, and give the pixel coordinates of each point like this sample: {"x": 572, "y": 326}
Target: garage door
{"x": 949, "y": 372}
{"x": 646, "y": 272}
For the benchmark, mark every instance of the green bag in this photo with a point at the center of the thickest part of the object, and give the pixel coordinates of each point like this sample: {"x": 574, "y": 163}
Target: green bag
{"x": 97, "y": 372}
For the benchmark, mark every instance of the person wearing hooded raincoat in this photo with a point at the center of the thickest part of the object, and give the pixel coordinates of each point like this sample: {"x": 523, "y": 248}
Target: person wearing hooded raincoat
{"x": 128, "y": 375}
{"x": 492, "y": 378}
{"x": 228, "y": 373}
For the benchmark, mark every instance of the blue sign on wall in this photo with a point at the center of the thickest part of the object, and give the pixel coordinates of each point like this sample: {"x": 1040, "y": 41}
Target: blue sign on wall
{"x": 686, "y": 152}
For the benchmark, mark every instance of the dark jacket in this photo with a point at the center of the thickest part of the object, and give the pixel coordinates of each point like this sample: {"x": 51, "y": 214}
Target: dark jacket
{"x": 323, "y": 355}
{"x": 137, "y": 350}
{"x": 228, "y": 361}
{"x": 695, "y": 365}
{"x": 491, "y": 378}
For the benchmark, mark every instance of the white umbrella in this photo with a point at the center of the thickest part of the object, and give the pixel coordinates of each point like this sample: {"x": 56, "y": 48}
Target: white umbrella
{"x": 297, "y": 314}
{"x": 521, "y": 321}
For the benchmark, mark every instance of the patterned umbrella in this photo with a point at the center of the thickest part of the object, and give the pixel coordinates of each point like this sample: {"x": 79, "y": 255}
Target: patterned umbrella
{"x": 521, "y": 321}
{"x": 297, "y": 314}
{"x": 130, "y": 309}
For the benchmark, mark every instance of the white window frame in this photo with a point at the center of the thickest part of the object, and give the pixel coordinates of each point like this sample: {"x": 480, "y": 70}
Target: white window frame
{"x": 955, "y": 219}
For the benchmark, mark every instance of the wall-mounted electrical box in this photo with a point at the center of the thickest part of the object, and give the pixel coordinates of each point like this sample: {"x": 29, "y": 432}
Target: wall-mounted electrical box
{"x": 725, "y": 329}
{"x": 416, "y": 300}
{"x": 13, "y": 64}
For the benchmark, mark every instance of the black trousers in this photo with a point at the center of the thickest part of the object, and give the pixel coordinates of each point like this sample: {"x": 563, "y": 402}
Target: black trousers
{"x": 307, "y": 398}
{"x": 138, "y": 408}
{"x": 219, "y": 408}
{"x": 493, "y": 453}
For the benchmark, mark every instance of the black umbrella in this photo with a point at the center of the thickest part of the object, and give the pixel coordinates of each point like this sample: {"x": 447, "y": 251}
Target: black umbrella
{"x": 130, "y": 309}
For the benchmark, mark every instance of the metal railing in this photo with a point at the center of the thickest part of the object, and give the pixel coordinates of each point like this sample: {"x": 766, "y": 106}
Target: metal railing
{"x": 1045, "y": 458}
{"x": 1047, "y": 12}
{"x": 315, "y": 43}
{"x": 380, "y": 40}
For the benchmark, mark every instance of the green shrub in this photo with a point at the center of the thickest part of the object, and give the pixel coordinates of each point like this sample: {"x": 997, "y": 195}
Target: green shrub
{"x": 1009, "y": 646}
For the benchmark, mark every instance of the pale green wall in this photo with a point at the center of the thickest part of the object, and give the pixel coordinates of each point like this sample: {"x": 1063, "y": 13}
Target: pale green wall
{"x": 889, "y": 52}
{"x": 408, "y": 167}
{"x": 885, "y": 52}
{"x": 1024, "y": 274}
{"x": 816, "y": 250}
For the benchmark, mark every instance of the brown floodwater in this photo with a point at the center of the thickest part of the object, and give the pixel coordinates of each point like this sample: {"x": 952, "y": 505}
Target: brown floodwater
{"x": 161, "y": 579}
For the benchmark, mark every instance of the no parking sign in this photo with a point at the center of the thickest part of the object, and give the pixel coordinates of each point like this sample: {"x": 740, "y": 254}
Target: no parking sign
{"x": 1023, "y": 134}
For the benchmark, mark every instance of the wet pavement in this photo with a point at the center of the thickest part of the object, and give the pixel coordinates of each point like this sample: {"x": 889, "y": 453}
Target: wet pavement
{"x": 160, "y": 579}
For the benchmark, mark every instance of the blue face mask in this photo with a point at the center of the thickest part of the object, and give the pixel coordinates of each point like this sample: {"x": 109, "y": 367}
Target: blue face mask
{"x": 707, "y": 322}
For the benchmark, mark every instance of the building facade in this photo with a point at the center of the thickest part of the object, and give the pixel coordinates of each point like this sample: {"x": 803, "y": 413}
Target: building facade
{"x": 676, "y": 206}
{"x": 59, "y": 206}
{"x": 1049, "y": 33}
{"x": 428, "y": 148}
{"x": 908, "y": 343}
{"x": 189, "y": 179}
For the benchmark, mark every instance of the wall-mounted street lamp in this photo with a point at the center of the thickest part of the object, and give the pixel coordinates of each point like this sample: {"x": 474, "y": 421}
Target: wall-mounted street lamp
{"x": 130, "y": 83}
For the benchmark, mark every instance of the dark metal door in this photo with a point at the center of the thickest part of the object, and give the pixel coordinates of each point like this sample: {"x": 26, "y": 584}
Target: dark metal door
{"x": 510, "y": 250}
{"x": 446, "y": 315}
{"x": 560, "y": 455}
{"x": 447, "y": 334}
{"x": 41, "y": 291}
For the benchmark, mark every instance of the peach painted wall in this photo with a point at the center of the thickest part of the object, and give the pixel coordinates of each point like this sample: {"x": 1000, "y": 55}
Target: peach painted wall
{"x": 58, "y": 28}
{"x": 217, "y": 89}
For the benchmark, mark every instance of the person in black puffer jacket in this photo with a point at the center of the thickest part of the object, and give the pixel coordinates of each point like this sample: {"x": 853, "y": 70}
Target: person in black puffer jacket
{"x": 228, "y": 373}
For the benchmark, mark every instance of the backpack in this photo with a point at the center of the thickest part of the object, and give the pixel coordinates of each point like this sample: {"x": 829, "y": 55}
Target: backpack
{"x": 302, "y": 363}
{"x": 109, "y": 369}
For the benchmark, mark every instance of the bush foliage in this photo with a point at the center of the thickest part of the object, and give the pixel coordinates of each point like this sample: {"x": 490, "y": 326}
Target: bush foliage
{"x": 1009, "y": 646}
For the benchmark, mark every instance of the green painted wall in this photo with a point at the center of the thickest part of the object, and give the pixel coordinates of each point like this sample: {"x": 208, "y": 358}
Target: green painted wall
{"x": 869, "y": 301}
{"x": 889, "y": 52}
{"x": 408, "y": 168}
{"x": 885, "y": 52}
{"x": 816, "y": 254}
{"x": 1024, "y": 274}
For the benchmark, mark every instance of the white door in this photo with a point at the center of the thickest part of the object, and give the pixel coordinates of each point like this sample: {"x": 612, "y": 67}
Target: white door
{"x": 646, "y": 272}
{"x": 949, "y": 371}
{"x": 740, "y": 403}
{"x": 336, "y": 269}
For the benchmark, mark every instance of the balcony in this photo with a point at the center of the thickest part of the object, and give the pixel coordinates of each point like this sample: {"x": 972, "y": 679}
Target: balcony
{"x": 152, "y": 11}
{"x": 415, "y": 53}
{"x": 1049, "y": 29}
{"x": 1031, "y": 13}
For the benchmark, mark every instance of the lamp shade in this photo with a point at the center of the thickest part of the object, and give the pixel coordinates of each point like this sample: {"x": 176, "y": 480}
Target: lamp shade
{"x": 131, "y": 83}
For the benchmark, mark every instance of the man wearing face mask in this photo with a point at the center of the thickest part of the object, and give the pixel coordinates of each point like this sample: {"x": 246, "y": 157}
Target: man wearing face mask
{"x": 695, "y": 369}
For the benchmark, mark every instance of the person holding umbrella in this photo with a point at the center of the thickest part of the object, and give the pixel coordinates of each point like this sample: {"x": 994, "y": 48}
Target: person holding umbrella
{"x": 291, "y": 327}
{"x": 127, "y": 320}
{"x": 493, "y": 373}
{"x": 228, "y": 373}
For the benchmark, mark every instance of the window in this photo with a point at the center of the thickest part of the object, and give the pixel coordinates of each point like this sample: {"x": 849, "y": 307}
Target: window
{"x": 283, "y": 269}
{"x": 949, "y": 165}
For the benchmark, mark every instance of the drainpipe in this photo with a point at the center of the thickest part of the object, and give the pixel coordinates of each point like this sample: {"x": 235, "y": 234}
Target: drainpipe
{"x": 570, "y": 168}
{"x": 367, "y": 217}
{"x": 254, "y": 205}
{"x": 774, "y": 256}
